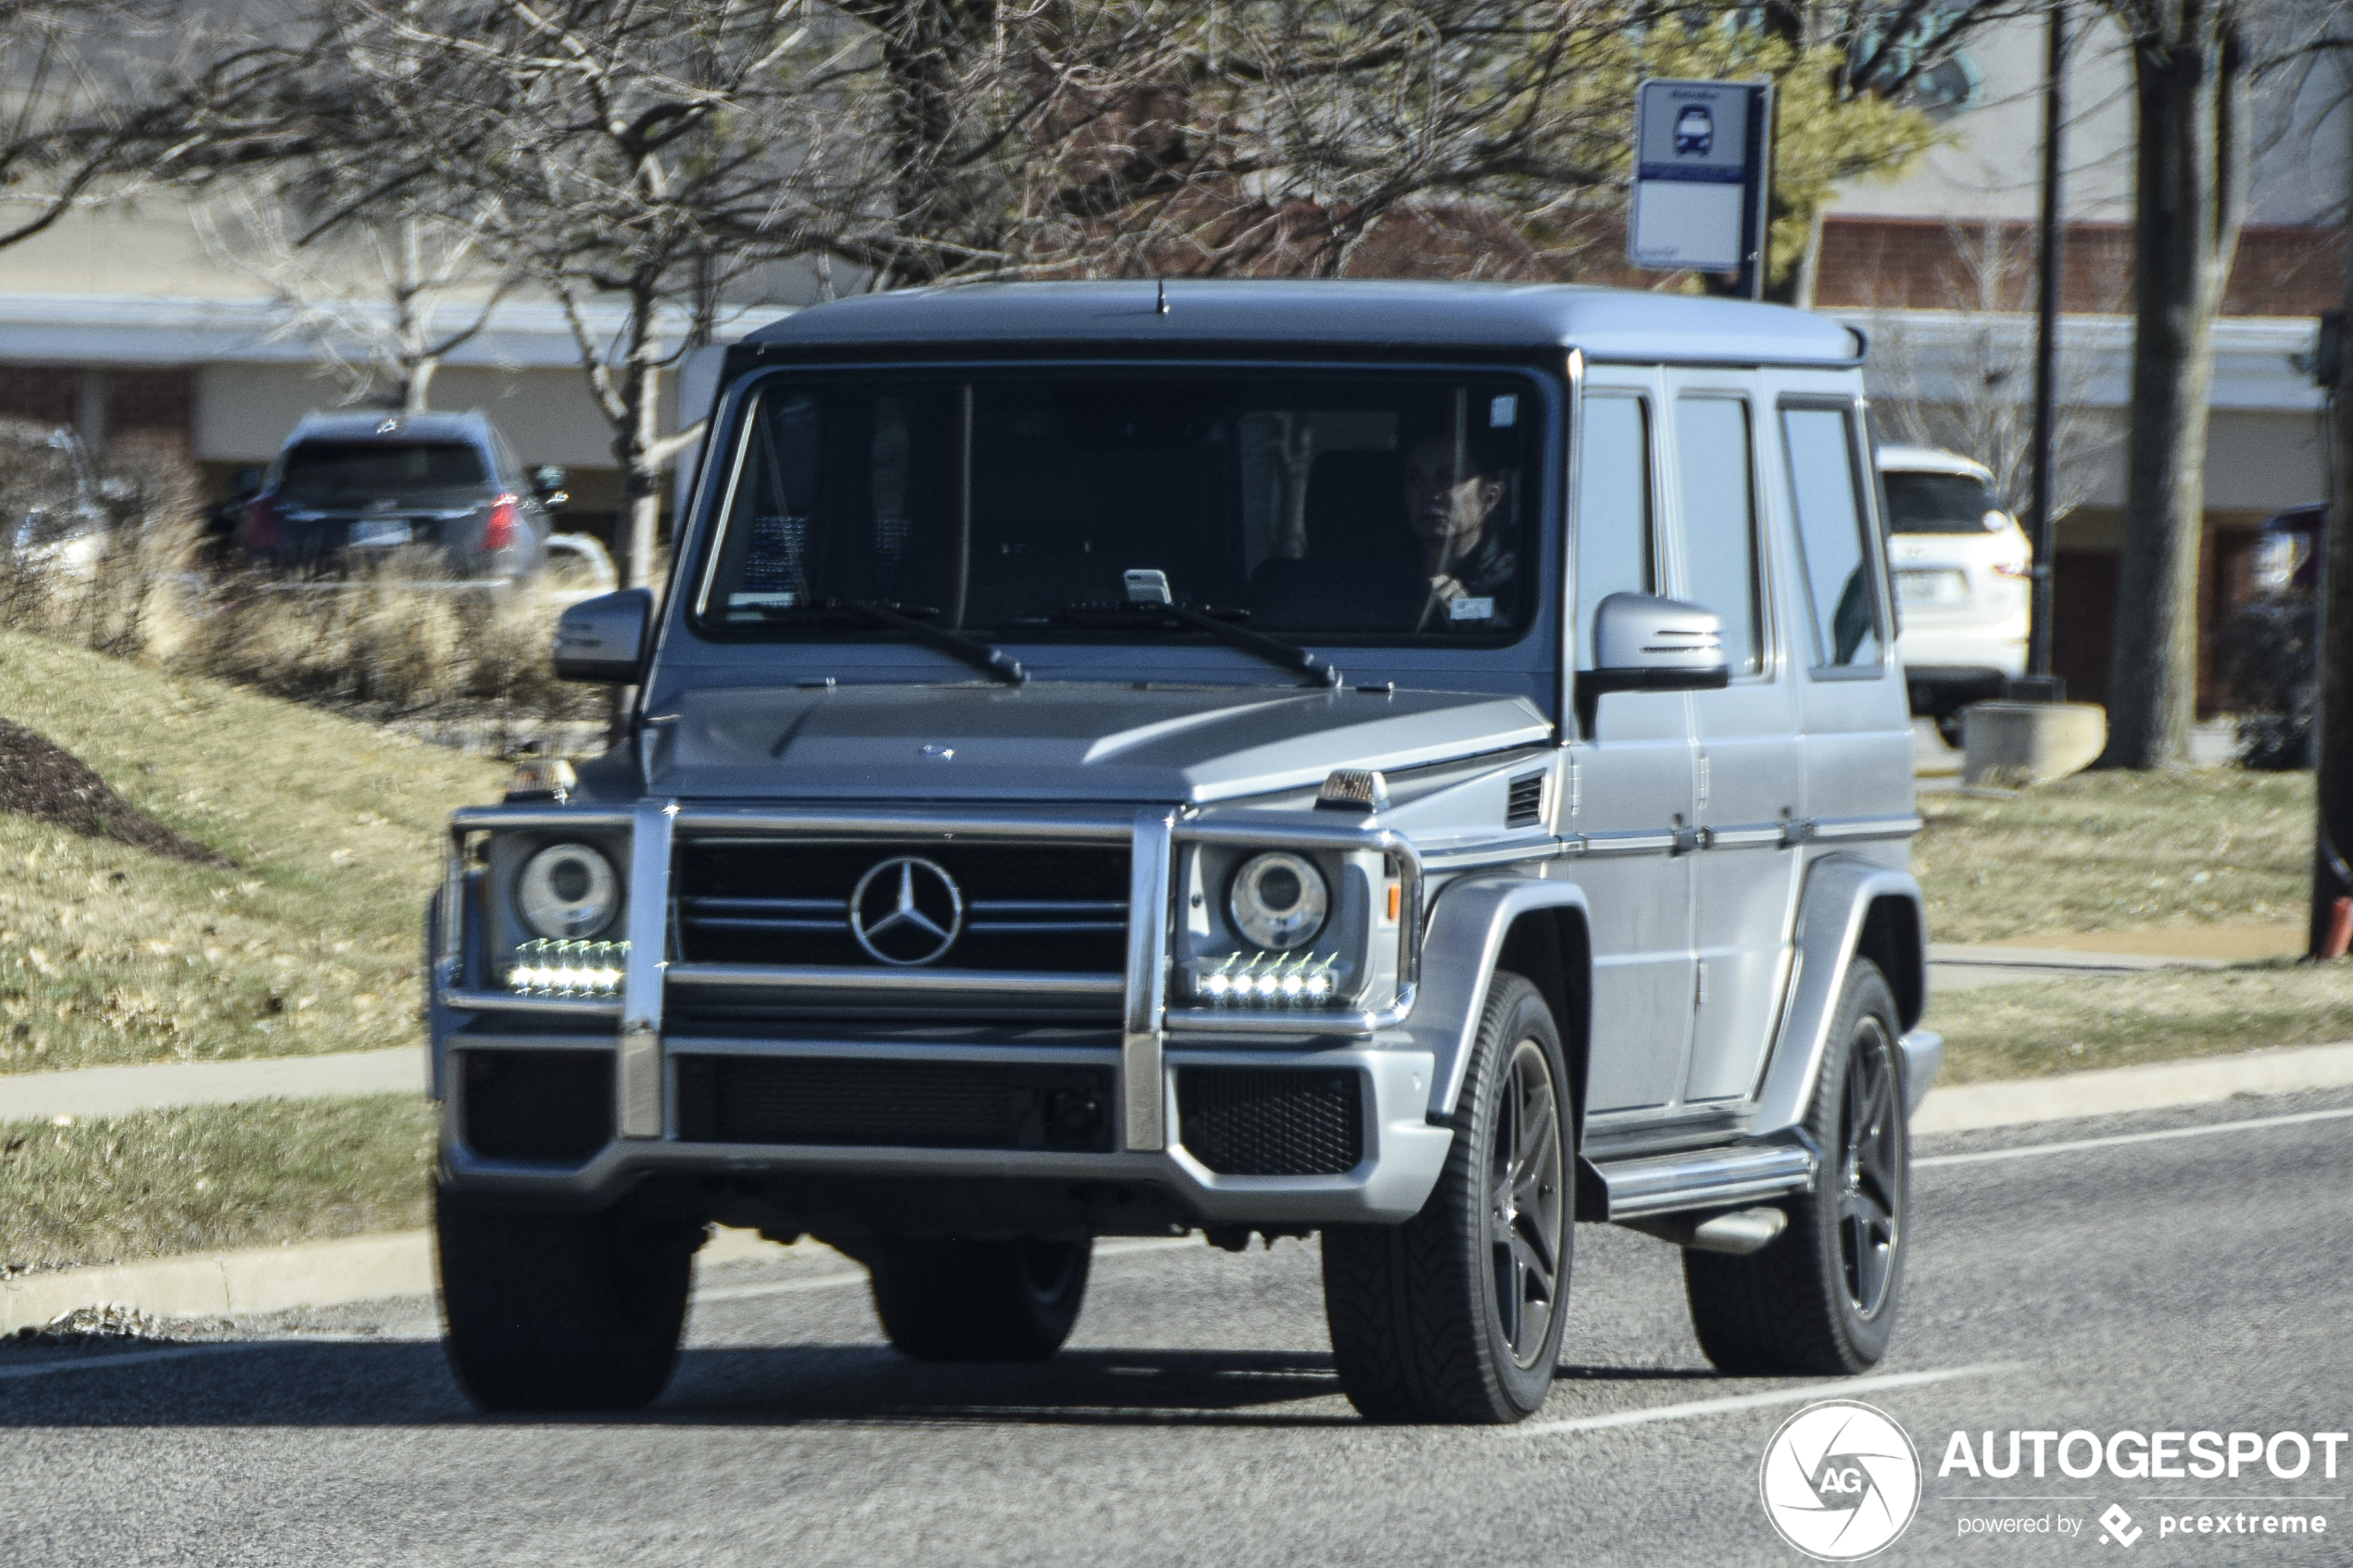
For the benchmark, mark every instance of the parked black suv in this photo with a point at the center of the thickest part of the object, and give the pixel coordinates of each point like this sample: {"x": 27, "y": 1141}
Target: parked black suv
{"x": 349, "y": 487}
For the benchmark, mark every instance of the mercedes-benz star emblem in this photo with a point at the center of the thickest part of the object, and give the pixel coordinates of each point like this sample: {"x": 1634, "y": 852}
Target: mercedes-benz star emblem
{"x": 907, "y": 911}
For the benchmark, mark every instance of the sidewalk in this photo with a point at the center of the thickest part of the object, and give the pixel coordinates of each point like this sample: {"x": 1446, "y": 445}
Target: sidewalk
{"x": 1966, "y": 967}
{"x": 118, "y": 1091}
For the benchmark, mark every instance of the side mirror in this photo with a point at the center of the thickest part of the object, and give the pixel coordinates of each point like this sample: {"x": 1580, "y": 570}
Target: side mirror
{"x": 1645, "y": 644}
{"x": 548, "y": 485}
{"x": 603, "y": 639}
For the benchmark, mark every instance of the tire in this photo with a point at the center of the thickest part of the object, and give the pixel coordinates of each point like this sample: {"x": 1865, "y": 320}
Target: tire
{"x": 1456, "y": 1315}
{"x": 1820, "y": 1299}
{"x": 551, "y": 1311}
{"x": 959, "y": 1300}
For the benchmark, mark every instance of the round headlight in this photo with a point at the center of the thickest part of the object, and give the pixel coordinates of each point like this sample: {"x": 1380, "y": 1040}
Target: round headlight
{"x": 567, "y": 891}
{"x": 1280, "y": 899}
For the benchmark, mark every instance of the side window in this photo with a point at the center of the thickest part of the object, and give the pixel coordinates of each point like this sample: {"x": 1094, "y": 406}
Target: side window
{"x": 1830, "y": 533}
{"x": 1720, "y": 520}
{"x": 1614, "y": 527}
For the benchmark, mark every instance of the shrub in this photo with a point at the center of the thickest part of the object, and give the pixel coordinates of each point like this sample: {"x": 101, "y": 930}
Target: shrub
{"x": 107, "y": 555}
{"x": 2268, "y": 656}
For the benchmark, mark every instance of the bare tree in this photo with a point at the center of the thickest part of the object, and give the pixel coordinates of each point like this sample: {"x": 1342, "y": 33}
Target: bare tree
{"x": 1850, "y": 55}
{"x": 382, "y": 301}
{"x": 1141, "y": 137}
{"x": 600, "y": 152}
{"x": 80, "y": 118}
{"x": 2190, "y": 65}
{"x": 1961, "y": 377}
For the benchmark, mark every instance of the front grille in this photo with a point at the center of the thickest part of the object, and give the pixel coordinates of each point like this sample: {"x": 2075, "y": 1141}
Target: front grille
{"x": 1271, "y": 1122}
{"x": 551, "y": 1107}
{"x": 1059, "y": 907}
{"x": 893, "y": 1104}
{"x": 1525, "y": 806}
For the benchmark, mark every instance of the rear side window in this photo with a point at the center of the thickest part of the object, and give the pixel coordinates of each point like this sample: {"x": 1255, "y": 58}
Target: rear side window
{"x": 1939, "y": 503}
{"x": 1614, "y": 552}
{"x": 1824, "y": 487}
{"x": 1720, "y": 520}
{"x": 332, "y": 471}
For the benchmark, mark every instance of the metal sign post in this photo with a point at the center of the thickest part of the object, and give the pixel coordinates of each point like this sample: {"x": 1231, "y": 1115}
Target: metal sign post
{"x": 1703, "y": 169}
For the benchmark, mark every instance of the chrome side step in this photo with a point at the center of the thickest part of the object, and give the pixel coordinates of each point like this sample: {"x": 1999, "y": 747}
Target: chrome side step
{"x": 1707, "y": 1178}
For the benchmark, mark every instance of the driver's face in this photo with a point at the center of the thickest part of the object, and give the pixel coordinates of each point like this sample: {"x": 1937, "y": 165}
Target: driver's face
{"x": 1440, "y": 508}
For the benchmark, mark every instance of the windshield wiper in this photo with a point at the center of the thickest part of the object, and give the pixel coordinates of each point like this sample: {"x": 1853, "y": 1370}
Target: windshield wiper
{"x": 983, "y": 657}
{"x": 1274, "y": 650}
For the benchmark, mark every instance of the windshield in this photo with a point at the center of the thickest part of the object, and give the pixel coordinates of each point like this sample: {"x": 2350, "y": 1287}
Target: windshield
{"x": 368, "y": 471}
{"x": 1350, "y": 506}
{"x": 1938, "y": 503}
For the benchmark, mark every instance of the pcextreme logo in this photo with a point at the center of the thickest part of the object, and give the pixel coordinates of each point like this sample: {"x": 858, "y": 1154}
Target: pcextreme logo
{"x": 1840, "y": 1480}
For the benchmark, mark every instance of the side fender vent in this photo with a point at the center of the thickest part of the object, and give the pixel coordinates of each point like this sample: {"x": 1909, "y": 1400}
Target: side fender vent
{"x": 1524, "y": 807}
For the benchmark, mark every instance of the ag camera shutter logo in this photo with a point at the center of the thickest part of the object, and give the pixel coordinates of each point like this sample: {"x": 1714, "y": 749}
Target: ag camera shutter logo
{"x": 1841, "y": 1481}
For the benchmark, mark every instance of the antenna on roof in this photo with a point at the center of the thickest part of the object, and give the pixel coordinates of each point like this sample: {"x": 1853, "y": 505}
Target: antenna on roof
{"x": 1161, "y": 305}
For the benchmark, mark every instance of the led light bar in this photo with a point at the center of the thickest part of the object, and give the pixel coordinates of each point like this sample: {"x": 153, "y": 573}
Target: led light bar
{"x": 1270, "y": 979}
{"x": 569, "y": 969}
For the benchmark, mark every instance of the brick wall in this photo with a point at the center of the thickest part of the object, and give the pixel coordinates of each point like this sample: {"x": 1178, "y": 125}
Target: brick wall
{"x": 1928, "y": 264}
{"x": 41, "y": 395}
{"x": 153, "y": 406}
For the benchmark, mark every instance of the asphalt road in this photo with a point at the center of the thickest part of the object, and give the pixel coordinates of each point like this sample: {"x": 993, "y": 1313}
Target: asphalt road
{"x": 2172, "y": 1282}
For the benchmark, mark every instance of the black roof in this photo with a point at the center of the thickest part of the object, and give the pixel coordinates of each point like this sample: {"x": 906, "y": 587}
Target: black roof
{"x": 1625, "y": 324}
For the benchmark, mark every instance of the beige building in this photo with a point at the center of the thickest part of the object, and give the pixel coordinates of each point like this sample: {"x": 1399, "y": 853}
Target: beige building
{"x": 133, "y": 323}
{"x": 1939, "y": 269}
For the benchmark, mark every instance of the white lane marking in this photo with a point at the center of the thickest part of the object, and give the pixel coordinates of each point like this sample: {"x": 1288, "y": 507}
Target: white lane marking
{"x": 857, "y": 1276}
{"x": 1846, "y": 1387}
{"x": 2120, "y": 1138}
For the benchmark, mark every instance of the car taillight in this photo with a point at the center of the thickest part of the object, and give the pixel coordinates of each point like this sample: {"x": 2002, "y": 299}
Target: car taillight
{"x": 261, "y": 526}
{"x": 2013, "y": 569}
{"x": 504, "y": 526}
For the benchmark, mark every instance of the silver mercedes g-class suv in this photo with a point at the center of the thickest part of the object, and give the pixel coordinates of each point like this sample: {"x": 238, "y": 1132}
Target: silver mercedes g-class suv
{"x": 1417, "y": 763}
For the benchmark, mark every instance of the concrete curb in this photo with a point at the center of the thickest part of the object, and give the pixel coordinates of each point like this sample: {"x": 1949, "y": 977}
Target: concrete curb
{"x": 271, "y": 1279}
{"x": 118, "y": 1091}
{"x": 323, "y": 1273}
{"x": 1962, "y": 1108}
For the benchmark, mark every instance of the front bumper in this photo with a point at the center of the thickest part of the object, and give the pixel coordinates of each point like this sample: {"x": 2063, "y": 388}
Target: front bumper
{"x": 1402, "y": 1153}
{"x": 1389, "y": 1163}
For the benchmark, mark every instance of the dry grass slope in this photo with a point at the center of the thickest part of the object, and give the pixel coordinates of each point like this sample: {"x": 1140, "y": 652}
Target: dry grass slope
{"x": 211, "y": 1178}
{"x": 2113, "y": 851}
{"x": 2123, "y": 1020}
{"x": 310, "y": 943}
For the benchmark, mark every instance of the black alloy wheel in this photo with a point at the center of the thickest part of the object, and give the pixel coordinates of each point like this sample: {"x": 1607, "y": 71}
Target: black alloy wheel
{"x": 1525, "y": 1209}
{"x": 1820, "y": 1299}
{"x": 1870, "y": 1169}
{"x": 1456, "y": 1315}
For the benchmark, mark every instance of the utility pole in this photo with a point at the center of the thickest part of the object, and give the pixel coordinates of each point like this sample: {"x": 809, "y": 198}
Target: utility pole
{"x": 2333, "y": 743}
{"x": 2040, "y": 685}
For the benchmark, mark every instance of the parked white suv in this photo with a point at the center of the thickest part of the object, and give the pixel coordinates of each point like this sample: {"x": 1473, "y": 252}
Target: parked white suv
{"x": 1963, "y": 569}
